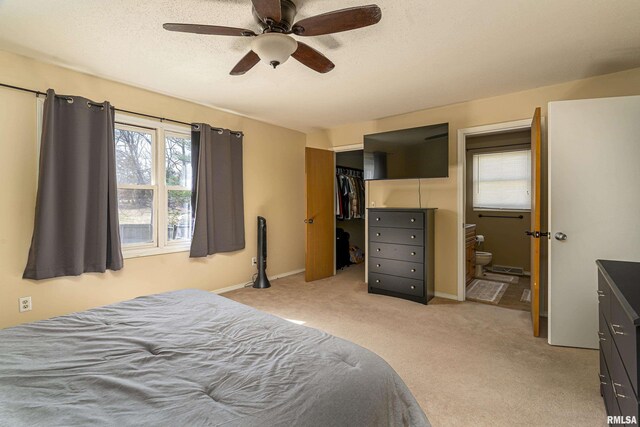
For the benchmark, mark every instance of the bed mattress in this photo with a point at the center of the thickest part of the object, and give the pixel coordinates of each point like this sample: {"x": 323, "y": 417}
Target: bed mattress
{"x": 193, "y": 358}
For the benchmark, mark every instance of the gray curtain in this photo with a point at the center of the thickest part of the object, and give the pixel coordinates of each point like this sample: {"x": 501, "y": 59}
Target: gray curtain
{"x": 217, "y": 200}
{"x": 76, "y": 221}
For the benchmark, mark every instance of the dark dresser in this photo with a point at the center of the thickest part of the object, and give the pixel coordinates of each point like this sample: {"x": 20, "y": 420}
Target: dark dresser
{"x": 400, "y": 255}
{"x": 619, "y": 305}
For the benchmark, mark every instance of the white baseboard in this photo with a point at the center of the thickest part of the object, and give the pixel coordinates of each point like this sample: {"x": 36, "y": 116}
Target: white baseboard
{"x": 242, "y": 285}
{"x": 445, "y": 295}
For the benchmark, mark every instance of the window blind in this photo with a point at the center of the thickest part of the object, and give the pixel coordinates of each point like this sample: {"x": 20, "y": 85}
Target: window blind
{"x": 502, "y": 180}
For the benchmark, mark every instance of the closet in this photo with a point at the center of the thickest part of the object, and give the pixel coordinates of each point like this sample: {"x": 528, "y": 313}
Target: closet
{"x": 350, "y": 208}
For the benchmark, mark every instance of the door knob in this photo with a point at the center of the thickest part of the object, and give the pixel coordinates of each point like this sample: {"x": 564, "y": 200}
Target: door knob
{"x": 560, "y": 236}
{"x": 308, "y": 221}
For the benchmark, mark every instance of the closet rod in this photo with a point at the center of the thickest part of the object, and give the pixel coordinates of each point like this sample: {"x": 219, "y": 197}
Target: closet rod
{"x": 162, "y": 119}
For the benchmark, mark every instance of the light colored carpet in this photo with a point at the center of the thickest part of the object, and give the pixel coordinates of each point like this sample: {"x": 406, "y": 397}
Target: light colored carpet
{"x": 467, "y": 364}
{"x": 486, "y": 291}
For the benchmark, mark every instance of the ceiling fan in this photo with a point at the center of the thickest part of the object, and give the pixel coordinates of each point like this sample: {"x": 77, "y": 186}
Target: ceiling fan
{"x": 274, "y": 45}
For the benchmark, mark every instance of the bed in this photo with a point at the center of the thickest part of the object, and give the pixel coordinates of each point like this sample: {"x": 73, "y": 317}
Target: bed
{"x": 193, "y": 358}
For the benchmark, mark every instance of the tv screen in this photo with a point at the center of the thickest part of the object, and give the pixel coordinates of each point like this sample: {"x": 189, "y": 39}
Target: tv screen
{"x": 421, "y": 152}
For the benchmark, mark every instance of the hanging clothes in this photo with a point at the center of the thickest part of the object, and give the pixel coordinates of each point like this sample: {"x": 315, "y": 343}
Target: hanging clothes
{"x": 350, "y": 194}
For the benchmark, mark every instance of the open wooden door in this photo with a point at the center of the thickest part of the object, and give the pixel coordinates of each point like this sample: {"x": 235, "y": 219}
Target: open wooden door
{"x": 320, "y": 181}
{"x": 535, "y": 221}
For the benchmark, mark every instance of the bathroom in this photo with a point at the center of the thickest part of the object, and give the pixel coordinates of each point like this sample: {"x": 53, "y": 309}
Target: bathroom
{"x": 497, "y": 216}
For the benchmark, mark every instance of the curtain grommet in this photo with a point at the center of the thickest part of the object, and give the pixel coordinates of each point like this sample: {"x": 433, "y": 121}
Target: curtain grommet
{"x": 69, "y": 100}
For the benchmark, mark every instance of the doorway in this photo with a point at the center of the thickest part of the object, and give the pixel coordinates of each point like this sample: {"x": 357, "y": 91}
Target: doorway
{"x": 350, "y": 212}
{"x": 497, "y": 217}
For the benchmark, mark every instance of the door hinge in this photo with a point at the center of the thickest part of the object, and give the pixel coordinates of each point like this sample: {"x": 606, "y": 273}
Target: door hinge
{"x": 538, "y": 234}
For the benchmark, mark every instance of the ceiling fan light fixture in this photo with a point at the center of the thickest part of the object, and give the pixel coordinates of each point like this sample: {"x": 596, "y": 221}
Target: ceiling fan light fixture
{"x": 274, "y": 48}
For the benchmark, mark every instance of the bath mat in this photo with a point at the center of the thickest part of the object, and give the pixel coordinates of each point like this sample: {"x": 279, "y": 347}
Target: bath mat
{"x": 486, "y": 291}
{"x": 526, "y": 295}
{"x": 501, "y": 277}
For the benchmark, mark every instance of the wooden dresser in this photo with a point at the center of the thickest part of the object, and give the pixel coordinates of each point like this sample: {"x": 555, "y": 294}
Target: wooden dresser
{"x": 470, "y": 251}
{"x": 619, "y": 308}
{"x": 400, "y": 255}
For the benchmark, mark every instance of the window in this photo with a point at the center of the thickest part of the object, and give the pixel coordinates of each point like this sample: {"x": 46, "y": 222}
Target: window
{"x": 502, "y": 181}
{"x": 153, "y": 168}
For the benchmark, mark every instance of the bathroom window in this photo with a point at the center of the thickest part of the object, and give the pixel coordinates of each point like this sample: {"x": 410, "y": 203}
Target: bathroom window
{"x": 502, "y": 181}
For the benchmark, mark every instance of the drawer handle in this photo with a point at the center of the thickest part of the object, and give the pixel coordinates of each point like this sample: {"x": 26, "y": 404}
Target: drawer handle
{"x": 377, "y": 265}
{"x": 413, "y": 220}
{"x": 377, "y": 249}
{"x": 602, "y": 339}
{"x": 601, "y": 333}
{"x": 377, "y": 234}
{"x": 600, "y": 293}
{"x": 413, "y": 270}
{"x": 377, "y": 219}
{"x": 377, "y": 280}
{"x": 413, "y": 237}
{"x": 413, "y": 253}
{"x": 413, "y": 287}
{"x": 616, "y": 391}
{"x": 614, "y": 330}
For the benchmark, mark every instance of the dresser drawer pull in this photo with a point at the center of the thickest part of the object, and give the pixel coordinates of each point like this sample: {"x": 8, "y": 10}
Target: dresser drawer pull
{"x": 413, "y": 220}
{"x": 377, "y": 219}
{"x": 377, "y": 280}
{"x": 413, "y": 254}
{"x": 413, "y": 270}
{"x": 602, "y": 339}
{"x": 377, "y": 234}
{"x": 413, "y": 237}
{"x": 413, "y": 287}
{"x": 377, "y": 249}
{"x": 614, "y": 330}
{"x": 616, "y": 391}
{"x": 378, "y": 265}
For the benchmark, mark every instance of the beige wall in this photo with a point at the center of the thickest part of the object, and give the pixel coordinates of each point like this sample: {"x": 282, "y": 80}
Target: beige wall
{"x": 273, "y": 179}
{"x": 441, "y": 193}
{"x": 504, "y": 238}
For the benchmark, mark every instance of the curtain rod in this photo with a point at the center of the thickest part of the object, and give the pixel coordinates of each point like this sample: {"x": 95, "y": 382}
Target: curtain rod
{"x": 162, "y": 119}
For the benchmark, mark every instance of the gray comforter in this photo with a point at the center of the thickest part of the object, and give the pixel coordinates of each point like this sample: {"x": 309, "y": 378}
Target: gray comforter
{"x": 192, "y": 358}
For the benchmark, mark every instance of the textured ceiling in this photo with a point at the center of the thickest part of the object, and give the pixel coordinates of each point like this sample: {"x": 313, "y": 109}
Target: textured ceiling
{"x": 424, "y": 53}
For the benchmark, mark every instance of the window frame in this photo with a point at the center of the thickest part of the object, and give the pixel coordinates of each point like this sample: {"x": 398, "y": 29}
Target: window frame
{"x": 159, "y": 130}
{"x": 473, "y": 180}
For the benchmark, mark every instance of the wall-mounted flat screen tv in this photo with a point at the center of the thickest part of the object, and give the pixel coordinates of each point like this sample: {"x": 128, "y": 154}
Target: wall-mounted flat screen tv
{"x": 421, "y": 152}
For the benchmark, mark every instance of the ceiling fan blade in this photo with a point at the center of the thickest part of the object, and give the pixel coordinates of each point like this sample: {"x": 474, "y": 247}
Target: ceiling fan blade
{"x": 313, "y": 59}
{"x": 209, "y": 29}
{"x": 339, "y": 20}
{"x": 268, "y": 9}
{"x": 245, "y": 64}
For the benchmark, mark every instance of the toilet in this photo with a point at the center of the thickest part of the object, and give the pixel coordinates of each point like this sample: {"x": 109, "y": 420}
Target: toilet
{"x": 482, "y": 258}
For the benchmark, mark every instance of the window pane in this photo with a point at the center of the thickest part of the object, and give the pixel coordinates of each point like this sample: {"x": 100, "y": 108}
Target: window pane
{"x": 502, "y": 180}
{"x": 135, "y": 209}
{"x": 133, "y": 157}
{"x": 179, "y": 221}
{"x": 178, "y": 161}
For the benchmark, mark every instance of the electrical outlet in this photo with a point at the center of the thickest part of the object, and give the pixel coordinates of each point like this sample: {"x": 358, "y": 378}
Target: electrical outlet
{"x": 25, "y": 304}
{"x": 254, "y": 261}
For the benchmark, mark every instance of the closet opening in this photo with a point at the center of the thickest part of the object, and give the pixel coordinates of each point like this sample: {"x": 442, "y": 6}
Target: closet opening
{"x": 350, "y": 211}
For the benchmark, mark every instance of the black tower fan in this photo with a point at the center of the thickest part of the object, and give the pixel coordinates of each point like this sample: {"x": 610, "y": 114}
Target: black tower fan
{"x": 261, "y": 280}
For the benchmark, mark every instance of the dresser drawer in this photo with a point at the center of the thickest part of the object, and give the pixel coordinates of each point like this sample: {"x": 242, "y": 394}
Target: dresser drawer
{"x": 604, "y": 297}
{"x": 604, "y": 336}
{"x": 394, "y": 267}
{"x": 396, "y": 284}
{"x": 400, "y": 252}
{"x": 396, "y": 219}
{"x": 625, "y": 337}
{"x": 403, "y": 236}
{"x": 621, "y": 386}
{"x": 606, "y": 389}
